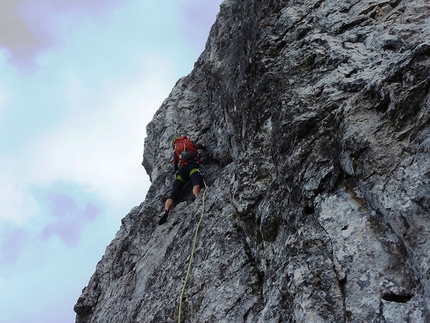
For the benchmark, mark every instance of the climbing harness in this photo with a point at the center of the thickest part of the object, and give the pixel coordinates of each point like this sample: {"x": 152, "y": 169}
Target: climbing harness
{"x": 192, "y": 254}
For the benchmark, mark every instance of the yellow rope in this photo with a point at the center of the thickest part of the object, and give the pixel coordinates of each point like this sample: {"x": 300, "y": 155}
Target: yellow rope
{"x": 192, "y": 255}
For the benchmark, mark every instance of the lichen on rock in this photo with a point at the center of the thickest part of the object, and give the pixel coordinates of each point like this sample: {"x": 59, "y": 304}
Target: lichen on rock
{"x": 316, "y": 118}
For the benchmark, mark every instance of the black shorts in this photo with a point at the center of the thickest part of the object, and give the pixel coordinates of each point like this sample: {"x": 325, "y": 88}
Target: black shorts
{"x": 188, "y": 172}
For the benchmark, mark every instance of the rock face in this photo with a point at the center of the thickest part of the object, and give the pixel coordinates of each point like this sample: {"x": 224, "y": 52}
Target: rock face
{"x": 317, "y": 209}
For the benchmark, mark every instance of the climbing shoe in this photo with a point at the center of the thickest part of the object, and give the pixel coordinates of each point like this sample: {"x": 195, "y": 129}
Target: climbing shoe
{"x": 163, "y": 218}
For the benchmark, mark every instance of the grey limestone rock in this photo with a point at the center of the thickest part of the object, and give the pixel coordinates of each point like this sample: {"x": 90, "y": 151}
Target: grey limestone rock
{"x": 317, "y": 209}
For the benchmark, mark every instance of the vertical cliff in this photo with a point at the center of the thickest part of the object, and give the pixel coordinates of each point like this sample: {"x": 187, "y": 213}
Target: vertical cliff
{"x": 317, "y": 209}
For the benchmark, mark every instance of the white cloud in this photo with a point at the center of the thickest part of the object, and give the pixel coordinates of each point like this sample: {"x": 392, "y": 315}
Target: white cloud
{"x": 100, "y": 146}
{"x": 91, "y": 96}
{"x": 3, "y": 99}
{"x": 25, "y": 24}
{"x": 17, "y": 204}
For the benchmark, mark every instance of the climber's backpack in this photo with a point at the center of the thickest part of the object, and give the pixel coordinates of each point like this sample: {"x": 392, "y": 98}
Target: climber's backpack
{"x": 185, "y": 149}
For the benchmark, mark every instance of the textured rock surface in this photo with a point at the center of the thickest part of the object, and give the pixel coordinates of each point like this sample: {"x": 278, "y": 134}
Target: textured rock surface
{"x": 316, "y": 115}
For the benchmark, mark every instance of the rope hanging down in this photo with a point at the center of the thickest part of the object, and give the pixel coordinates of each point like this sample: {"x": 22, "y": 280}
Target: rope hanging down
{"x": 192, "y": 254}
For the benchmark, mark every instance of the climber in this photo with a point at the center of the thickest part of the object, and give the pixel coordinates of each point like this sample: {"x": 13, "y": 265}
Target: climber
{"x": 186, "y": 162}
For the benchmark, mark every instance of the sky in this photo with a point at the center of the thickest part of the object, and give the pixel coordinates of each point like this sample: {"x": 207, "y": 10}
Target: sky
{"x": 79, "y": 82}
